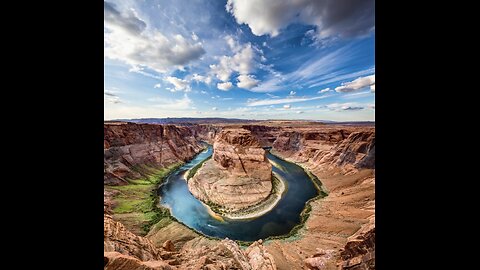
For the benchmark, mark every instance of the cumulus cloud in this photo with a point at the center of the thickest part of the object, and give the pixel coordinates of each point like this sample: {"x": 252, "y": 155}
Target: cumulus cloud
{"x": 126, "y": 40}
{"x": 287, "y": 107}
{"x": 157, "y": 85}
{"x": 232, "y": 43}
{"x": 343, "y": 18}
{"x": 292, "y": 93}
{"x": 357, "y": 84}
{"x": 324, "y": 90}
{"x": 242, "y": 62}
{"x": 199, "y": 78}
{"x": 247, "y": 81}
{"x": 224, "y": 86}
{"x": 179, "y": 84}
{"x": 214, "y": 108}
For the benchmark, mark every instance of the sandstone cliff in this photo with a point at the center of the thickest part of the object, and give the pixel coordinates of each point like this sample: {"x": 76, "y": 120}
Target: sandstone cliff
{"x": 239, "y": 174}
{"x": 329, "y": 148}
{"x": 133, "y": 150}
{"x": 338, "y": 233}
{"x": 125, "y": 250}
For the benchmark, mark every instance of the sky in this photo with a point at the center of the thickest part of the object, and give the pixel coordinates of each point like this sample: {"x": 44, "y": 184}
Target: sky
{"x": 249, "y": 59}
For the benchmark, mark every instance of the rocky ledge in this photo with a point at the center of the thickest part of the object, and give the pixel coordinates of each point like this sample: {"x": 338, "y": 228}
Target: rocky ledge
{"x": 239, "y": 175}
{"x": 125, "y": 250}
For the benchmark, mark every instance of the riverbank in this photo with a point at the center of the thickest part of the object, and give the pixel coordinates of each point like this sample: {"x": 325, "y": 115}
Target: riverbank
{"x": 135, "y": 204}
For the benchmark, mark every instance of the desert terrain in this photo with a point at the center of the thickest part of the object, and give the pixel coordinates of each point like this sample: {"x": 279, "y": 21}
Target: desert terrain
{"x": 337, "y": 233}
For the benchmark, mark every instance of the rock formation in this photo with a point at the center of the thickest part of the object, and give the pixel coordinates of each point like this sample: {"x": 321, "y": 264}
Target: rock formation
{"x": 339, "y": 233}
{"x": 124, "y": 250}
{"x": 131, "y": 149}
{"x": 337, "y": 148}
{"x": 359, "y": 252}
{"x": 238, "y": 176}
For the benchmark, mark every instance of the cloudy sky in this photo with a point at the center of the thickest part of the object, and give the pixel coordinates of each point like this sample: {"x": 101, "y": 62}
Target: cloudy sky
{"x": 256, "y": 59}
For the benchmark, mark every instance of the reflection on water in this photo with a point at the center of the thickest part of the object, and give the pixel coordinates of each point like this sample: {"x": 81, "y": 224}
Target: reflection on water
{"x": 187, "y": 209}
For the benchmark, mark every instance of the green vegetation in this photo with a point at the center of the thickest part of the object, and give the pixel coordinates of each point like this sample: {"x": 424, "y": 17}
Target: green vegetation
{"x": 138, "y": 200}
{"x": 194, "y": 170}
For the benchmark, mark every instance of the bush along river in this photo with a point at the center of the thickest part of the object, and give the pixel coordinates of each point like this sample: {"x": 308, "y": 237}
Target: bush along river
{"x": 280, "y": 220}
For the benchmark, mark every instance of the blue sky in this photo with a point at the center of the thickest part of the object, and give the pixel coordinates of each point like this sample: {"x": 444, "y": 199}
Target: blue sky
{"x": 262, "y": 59}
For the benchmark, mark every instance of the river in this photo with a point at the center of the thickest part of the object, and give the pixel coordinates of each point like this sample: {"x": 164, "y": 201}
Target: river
{"x": 175, "y": 195}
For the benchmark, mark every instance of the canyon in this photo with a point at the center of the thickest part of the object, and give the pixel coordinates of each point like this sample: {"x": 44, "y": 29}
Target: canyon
{"x": 338, "y": 233}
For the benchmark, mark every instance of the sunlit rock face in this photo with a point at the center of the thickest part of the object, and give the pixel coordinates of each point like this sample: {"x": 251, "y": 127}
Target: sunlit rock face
{"x": 239, "y": 174}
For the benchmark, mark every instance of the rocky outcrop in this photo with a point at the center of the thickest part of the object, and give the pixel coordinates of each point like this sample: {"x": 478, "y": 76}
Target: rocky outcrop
{"x": 259, "y": 258}
{"x": 329, "y": 148}
{"x": 125, "y": 250}
{"x": 239, "y": 174}
{"x": 134, "y": 150}
{"x": 359, "y": 252}
{"x": 266, "y": 135}
{"x": 117, "y": 238}
{"x": 118, "y": 261}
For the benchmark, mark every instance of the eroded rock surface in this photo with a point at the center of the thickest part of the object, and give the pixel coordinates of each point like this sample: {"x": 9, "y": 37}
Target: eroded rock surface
{"x": 238, "y": 176}
{"x": 132, "y": 150}
{"x": 340, "y": 232}
{"x": 124, "y": 250}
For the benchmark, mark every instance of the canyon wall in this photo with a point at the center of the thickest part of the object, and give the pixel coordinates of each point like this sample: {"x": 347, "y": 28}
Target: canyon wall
{"x": 133, "y": 150}
{"x": 239, "y": 174}
{"x": 350, "y": 148}
{"x": 339, "y": 233}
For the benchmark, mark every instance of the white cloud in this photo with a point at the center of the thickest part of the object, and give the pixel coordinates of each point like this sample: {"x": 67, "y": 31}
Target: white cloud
{"x": 356, "y": 84}
{"x": 157, "y": 85}
{"x": 272, "y": 96}
{"x": 161, "y": 107}
{"x": 247, "y": 81}
{"x": 299, "y": 112}
{"x": 345, "y": 106}
{"x": 331, "y": 17}
{"x": 179, "y": 84}
{"x": 324, "y": 90}
{"x": 127, "y": 40}
{"x": 310, "y": 71}
{"x": 372, "y": 87}
{"x": 292, "y": 93}
{"x": 357, "y": 95}
{"x": 184, "y": 103}
{"x": 199, "y": 78}
{"x": 281, "y": 101}
{"x": 214, "y": 108}
{"x": 242, "y": 62}
{"x": 110, "y": 96}
{"x": 224, "y": 86}
{"x": 194, "y": 36}
{"x": 232, "y": 43}
{"x": 287, "y": 107}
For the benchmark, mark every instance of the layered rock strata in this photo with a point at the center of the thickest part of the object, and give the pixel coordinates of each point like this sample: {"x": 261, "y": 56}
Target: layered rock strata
{"x": 238, "y": 176}
{"x": 133, "y": 150}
